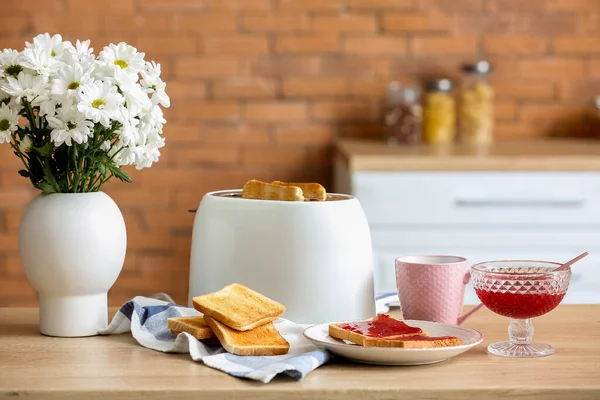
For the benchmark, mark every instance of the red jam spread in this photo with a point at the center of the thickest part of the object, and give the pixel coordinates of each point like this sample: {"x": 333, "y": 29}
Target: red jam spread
{"x": 424, "y": 338}
{"x": 519, "y": 305}
{"x": 380, "y": 326}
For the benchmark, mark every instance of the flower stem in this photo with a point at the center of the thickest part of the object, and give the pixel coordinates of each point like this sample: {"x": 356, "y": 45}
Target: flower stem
{"x": 30, "y": 115}
{"x": 20, "y": 155}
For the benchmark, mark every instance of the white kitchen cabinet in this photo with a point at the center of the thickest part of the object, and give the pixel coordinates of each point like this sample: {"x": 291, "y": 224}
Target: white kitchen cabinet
{"x": 548, "y": 209}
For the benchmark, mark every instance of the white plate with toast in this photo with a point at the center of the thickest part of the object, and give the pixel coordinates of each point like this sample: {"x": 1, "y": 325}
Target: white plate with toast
{"x": 319, "y": 335}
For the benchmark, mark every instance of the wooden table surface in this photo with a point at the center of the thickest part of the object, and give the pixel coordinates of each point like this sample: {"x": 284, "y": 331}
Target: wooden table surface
{"x": 116, "y": 367}
{"x": 542, "y": 154}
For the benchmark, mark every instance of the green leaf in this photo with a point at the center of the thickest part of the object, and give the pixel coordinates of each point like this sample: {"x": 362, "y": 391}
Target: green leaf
{"x": 118, "y": 172}
{"x": 49, "y": 178}
{"x": 37, "y": 173}
{"x": 103, "y": 169}
{"x": 46, "y": 188}
{"x": 24, "y": 173}
{"x": 45, "y": 150}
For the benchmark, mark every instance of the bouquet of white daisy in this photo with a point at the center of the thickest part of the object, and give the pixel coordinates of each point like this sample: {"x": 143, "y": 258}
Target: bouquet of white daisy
{"x": 83, "y": 117}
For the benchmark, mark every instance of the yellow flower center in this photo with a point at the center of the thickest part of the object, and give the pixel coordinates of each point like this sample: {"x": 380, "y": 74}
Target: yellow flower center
{"x": 98, "y": 103}
{"x": 73, "y": 85}
{"x": 121, "y": 63}
{"x": 71, "y": 125}
{"x": 4, "y": 125}
{"x": 53, "y": 54}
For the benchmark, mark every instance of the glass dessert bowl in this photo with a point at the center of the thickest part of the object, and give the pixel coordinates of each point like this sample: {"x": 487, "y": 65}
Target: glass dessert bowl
{"x": 520, "y": 290}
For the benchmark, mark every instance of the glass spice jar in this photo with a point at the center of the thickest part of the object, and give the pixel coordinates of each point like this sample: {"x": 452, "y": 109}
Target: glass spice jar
{"x": 439, "y": 114}
{"x": 403, "y": 115}
{"x": 476, "y": 105}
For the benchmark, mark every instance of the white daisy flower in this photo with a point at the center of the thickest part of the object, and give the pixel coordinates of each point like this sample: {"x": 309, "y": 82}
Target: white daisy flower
{"x": 81, "y": 54}
{"x": 154, "y": 117}
{"x": 69, "y": 126}
{"x": 10, "y": 62}
{"x": 149, "y": 153}
{"x": 125, "y": 155}
{"x": 123, "y": 56}
{"x": 25, "y": 86}
{"x": 147, "y": 134}
{"x": 4, "y": 97}
{"x": 100, "y": 101}
{"x": 102, "y": 71}
{"x": 46, "y": 103}
{"x": 69, "y": 79}
{"x": 83, "y": 49}
{"x": 144, "y": 152}
{"x": 153, "y": 85}
{"x": 9, "y": 120}
{"x": 135, "y": 98}
{"x": 26, "y": 144}
{"x": 128, "y": 132}
{"x": 105, "y": 145}
{"x": 53, "y": 44}
{"x": 38, "y": 59}
{"x": 7, "y": 99}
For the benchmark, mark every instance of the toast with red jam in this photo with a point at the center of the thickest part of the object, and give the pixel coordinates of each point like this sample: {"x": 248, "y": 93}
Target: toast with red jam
{"x": 414, "y": 342}
{"x": 385, "y": 331}
{"x": 379, "y": 327}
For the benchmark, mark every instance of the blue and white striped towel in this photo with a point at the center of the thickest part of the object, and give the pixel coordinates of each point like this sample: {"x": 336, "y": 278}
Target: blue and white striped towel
{"x": 146, "y": 318}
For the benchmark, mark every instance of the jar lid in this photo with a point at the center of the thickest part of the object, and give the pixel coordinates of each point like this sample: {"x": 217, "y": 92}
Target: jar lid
{"x": 480, "y": 67}
{"x": 394, "y": 86}
{"x": 395, "y": 92}
{"x": 411, "y": 95}
{"x": 440, "y": 85}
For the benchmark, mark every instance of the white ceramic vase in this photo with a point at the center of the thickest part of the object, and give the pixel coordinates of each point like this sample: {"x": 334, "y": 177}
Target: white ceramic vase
{"x": 72, "y": 248}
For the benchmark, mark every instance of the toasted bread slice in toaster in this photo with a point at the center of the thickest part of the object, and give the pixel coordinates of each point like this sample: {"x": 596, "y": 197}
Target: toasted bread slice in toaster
{"x": 254, "y": 189}
{"x": 413, "y": 342}
{"x": 195, "y": 326}
{"x": 239, "y": 307}
{"x": 262, "y": 341}
{"x": 382, "y": 326}
{"x": 311, "y": 191}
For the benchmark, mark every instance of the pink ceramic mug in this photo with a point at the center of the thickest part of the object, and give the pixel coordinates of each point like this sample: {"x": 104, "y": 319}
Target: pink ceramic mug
{"x": 432, "y": 288}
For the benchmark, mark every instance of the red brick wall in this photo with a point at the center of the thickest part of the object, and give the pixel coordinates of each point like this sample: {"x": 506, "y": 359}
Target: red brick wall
{"x": 260, "y": 88}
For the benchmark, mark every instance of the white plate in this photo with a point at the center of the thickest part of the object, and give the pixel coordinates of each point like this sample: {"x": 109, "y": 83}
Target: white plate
{"x": 319, "y": 335}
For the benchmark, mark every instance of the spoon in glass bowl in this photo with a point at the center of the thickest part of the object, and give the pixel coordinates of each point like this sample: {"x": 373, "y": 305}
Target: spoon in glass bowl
{"x": 569, "y": 263}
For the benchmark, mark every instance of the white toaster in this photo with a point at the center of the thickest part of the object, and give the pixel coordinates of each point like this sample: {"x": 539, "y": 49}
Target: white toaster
{"x": 314, "y": 257}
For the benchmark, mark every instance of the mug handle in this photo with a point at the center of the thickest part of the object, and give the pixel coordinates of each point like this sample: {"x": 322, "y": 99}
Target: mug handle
{"x": 468, "y": 315}
{"x": 467, "y": 278}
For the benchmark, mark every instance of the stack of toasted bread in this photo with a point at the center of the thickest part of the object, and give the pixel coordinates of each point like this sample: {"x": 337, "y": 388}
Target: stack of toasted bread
{"x": 284, "y": 191}
{"x": 240, "y": 318}
{"x": 385, "y": 331}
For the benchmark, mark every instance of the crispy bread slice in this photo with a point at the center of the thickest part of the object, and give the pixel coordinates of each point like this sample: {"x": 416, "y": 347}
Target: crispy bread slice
{"x": 195, "y": 326}
{"x": 311, "y": 191}
{"x": 414, "y": 342}
{"x": 262, "y": 341}
{"x": 337, "y": 331}
{"x": 239, "y": 307}
{"x": 211, "y": 341}
{"x": 254, "y": 189}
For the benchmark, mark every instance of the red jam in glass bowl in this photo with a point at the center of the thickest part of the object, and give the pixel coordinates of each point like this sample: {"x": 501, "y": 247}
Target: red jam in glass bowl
{"x": 520, "y": 290}
{"x": 519, "y": 305}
